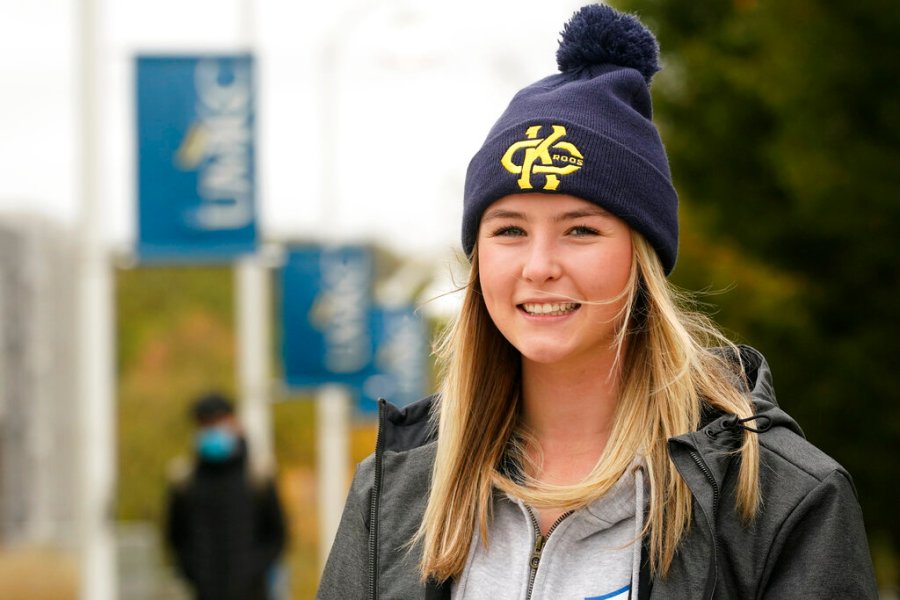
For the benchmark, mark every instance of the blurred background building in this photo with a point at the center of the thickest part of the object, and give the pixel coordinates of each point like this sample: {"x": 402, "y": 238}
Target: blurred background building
{"x": 37, "y": 405}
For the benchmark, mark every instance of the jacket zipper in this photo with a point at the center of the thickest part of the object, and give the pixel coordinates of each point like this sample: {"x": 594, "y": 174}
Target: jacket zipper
{"x": 695, "y": 455}
{"x": 701, "y": 464}
{"x": 373, "y": 508}
{"x": 539, "y": 542}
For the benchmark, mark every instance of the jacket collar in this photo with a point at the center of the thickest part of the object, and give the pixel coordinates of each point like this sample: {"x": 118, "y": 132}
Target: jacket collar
{"x": 720, "y": 434}
{"x": 408, "y": 427}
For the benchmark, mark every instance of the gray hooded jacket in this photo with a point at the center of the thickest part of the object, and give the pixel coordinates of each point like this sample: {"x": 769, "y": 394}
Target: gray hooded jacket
{"x": 808, "y": 540}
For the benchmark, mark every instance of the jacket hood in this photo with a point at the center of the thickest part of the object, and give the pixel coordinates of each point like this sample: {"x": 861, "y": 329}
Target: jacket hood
{"x": 703, "y": 457}
{"x": 758, "y": 381}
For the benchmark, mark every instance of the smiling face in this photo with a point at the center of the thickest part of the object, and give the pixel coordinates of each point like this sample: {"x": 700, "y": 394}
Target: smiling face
{"x": 553, "y": 271}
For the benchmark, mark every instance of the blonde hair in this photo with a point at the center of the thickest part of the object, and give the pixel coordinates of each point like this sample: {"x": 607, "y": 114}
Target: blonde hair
{"x": 668, "y": 372}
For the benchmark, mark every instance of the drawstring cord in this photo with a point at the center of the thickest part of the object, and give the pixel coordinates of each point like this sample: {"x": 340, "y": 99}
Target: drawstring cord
{"x": 734, "y": 423}
{"x": 638, "y": 530}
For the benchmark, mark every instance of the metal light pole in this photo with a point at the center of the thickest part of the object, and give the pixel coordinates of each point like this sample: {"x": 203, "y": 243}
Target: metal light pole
{"x": 252, "y": 302}
{"x": 95, "y": 341}
{"x": 253, "y": 320}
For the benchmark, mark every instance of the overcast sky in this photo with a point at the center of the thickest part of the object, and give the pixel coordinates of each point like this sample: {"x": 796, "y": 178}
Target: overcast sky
{"x": 418, "y": 84}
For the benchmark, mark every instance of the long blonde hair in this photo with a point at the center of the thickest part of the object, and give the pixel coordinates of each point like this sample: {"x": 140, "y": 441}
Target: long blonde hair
{"x": 668, "y": 371}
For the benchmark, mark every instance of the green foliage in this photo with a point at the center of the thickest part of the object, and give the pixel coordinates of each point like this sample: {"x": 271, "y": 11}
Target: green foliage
{"x": 175, "y": 341}
{"x": 783, "y": 132}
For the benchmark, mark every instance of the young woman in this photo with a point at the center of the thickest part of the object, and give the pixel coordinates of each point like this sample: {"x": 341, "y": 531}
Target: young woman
{"x": 592, "y": 438}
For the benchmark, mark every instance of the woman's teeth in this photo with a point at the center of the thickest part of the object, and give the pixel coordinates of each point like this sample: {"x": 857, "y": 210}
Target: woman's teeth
{"x": 550, "y": 309}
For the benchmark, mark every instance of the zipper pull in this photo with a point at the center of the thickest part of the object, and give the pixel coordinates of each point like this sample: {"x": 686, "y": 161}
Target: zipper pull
{"x": 536, "y": 554}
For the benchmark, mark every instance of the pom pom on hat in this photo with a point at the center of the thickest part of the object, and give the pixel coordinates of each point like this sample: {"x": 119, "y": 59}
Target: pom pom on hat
{"x": 600, "y": 35}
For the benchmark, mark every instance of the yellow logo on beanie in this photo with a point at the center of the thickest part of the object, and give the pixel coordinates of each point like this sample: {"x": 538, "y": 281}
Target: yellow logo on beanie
{"x": 538, "y": 150}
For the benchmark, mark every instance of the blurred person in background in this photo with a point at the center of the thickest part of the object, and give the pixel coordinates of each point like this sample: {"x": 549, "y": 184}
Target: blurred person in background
{"x": 224, "y": 523}
{"x": 593, "y": 437}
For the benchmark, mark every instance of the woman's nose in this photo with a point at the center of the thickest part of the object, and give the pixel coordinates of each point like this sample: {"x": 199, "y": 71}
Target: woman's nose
{"x": 540, "y": 262}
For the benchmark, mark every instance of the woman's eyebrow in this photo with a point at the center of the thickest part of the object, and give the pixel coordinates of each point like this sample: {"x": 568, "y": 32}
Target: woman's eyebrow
{"x": 501, "y": 213}
{"x": 594, "y": 211}
{"x": 504, "y": 213}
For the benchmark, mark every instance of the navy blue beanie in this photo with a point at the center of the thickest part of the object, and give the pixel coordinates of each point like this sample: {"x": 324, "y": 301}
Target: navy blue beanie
{"x": 586, "y": 132}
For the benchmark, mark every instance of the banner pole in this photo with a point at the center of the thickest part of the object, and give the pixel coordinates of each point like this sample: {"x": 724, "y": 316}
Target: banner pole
{"x": 252, "y": 299}
{"x": 332, "y": 459}
{"x": 96, "y": 334}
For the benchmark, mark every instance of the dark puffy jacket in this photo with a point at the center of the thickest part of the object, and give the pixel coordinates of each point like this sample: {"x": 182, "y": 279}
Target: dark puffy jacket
{"x": 808, "y": 540}
{"x": 226, "y": 531}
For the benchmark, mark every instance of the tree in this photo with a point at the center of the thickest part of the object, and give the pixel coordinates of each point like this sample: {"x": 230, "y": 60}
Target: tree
{"x": 782, "y": 125}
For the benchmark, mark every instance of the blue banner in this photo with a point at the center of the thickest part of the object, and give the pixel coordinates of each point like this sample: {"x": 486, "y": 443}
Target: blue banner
{"x": 325, "y": 304}
{"x": 196, "y": 177}
{"x": 400, "y": 369}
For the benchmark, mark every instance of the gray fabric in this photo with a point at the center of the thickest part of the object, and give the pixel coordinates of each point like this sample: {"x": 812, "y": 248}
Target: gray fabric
{"x": 402, "y": 507}
{"x": 591, "y": 553}
{"x": 346, "y": 571}
{"x": 808, "y": 541}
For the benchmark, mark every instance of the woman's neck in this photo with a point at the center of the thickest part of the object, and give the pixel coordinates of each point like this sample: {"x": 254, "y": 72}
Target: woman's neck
{"x": 569, "y": 410}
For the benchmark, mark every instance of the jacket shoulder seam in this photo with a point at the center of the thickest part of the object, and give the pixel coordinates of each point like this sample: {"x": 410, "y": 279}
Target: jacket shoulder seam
{"x": 819, "y": 475}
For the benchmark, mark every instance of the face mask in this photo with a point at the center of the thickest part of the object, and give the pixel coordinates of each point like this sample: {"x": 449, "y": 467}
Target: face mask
{"x": 216, "y": 444}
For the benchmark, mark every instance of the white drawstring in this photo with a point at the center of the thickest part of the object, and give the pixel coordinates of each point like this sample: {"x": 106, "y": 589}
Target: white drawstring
{"x": 638, "y": 526}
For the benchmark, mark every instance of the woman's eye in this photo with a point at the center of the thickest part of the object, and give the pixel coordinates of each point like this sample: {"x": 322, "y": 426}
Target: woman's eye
{"x": 509, "y": 231}
{"x": 583, "y": 230}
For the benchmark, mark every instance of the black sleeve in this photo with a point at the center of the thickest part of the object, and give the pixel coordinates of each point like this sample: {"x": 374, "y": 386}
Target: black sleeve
{"x": 177, "y": 530}
{"x": 271, "y": 533}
